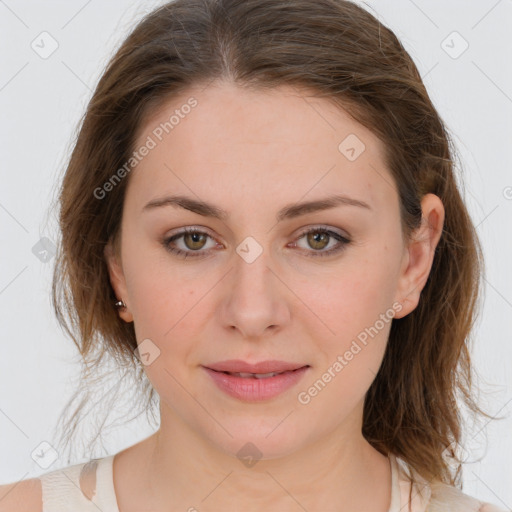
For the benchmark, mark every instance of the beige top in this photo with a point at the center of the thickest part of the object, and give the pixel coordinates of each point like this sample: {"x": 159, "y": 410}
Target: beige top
{"x": 75, "y": 488}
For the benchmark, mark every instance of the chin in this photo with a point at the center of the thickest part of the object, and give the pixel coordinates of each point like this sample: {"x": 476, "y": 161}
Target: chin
{"x": 262, "y": 441}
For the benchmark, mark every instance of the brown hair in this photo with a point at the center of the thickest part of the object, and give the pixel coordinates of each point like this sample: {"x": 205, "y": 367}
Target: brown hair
{"x": 340, "y": 52}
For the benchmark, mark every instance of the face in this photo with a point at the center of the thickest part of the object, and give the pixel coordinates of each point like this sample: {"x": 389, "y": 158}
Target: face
{"x": 254, "y": 285}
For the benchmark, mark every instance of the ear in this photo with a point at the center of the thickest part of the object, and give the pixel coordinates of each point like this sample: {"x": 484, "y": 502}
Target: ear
{"x": 419, "y": 254}
{"x": 118, "y": 281}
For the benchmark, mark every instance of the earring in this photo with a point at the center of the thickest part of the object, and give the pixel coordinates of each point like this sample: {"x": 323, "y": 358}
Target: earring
{"x": 120, "y": 304}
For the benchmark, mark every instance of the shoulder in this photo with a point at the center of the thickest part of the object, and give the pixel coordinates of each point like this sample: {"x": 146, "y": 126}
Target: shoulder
{"x": 436, "y": 496}
{"x": 446, "y": 497}
{"x": 73, "y": 485}
{"x": 21, "y": 496}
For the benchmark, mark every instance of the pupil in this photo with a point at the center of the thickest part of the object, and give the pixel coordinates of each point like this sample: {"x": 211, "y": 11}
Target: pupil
{"x": 317, "y": 238}
{"x": 194, "y": 238}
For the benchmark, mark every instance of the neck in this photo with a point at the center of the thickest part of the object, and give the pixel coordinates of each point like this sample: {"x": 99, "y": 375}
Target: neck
{"x": 189, "y": 471}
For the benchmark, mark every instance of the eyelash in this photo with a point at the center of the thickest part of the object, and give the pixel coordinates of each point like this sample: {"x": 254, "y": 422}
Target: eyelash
{"x": 314, "y": 254}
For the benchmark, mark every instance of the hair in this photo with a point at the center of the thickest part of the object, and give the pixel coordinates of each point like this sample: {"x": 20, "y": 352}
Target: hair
{"x": 335, "y": 50}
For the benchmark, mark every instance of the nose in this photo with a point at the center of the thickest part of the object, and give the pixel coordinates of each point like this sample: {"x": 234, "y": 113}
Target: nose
{"x": 255, "y": 303}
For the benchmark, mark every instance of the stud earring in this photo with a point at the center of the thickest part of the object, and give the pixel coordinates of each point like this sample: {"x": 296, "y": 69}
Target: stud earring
{"x": 120, "y": 304}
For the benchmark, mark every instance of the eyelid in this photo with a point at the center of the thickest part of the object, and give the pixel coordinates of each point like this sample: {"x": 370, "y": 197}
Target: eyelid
{"x": 322, "y": 227}
{"x": 302, "y": 231}
{"x": 342, "y": 238}
{"x": 180, "y": 232}
{"x": 188, "y": 229}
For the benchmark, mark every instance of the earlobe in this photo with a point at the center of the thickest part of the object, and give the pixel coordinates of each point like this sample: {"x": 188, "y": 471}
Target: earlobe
{"x": 419, "y": 254}
{"x": 118, "y": 282}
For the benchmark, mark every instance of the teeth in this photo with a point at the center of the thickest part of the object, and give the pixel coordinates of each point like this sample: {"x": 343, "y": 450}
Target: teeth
{"x": 254, "y": 375}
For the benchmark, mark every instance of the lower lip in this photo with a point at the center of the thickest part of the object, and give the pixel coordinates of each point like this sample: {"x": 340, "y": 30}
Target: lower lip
{"x": 256, "y": 390}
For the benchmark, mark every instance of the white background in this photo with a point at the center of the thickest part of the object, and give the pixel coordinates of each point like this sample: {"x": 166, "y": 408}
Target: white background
{"x": 41, "y": 102}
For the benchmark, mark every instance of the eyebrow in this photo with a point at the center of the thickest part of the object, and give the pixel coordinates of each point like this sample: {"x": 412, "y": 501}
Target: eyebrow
{"x": 288, "y": 212}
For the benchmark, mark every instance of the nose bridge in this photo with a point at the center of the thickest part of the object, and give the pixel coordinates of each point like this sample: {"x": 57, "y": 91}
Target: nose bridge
{"x": 252, "y": 278}
{"x": 254, "y": 300}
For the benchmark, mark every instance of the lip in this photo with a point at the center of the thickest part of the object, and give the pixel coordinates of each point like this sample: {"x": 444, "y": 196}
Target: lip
{"x": 251, "y": 389}
{"x": 239, "y": 366}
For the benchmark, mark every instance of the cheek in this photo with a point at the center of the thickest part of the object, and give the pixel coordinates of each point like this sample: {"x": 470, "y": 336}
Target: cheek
{"x": 352, "y": 299}
{"x": 356, "y": 308}
{"x": 169, "y": 311}
{"x": 165, "y": 301}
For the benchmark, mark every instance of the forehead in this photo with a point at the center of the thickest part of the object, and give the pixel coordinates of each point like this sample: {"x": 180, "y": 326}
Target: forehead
{"x": 230, "y": 141}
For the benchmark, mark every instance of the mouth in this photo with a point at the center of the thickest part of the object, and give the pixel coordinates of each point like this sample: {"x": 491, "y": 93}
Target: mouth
{"x": 238, "y": 366}
{"x": 255, "y": 375}
{"x": 255, "y": 386}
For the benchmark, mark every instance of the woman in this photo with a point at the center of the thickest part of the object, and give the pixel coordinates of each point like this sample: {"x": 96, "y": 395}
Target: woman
{"x": 260, "y": 216}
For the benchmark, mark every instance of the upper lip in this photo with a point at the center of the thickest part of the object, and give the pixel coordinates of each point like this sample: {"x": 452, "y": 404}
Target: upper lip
{"x": 239, "y": 366}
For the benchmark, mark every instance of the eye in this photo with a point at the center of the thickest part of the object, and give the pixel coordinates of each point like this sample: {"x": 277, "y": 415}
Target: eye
{"x": 319, "y": 238}
{"x": 193, "y": 239}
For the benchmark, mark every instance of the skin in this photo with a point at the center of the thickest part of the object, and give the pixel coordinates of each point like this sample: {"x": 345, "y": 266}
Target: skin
{"x": 252, "y": 153}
